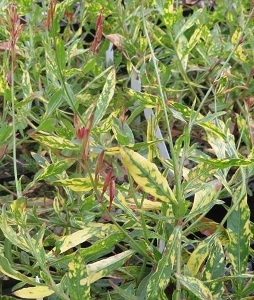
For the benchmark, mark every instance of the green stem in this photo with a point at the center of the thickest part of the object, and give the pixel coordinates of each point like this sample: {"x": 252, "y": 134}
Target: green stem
{"x": 177, "y": 171}
{"x": 14, "y": 141}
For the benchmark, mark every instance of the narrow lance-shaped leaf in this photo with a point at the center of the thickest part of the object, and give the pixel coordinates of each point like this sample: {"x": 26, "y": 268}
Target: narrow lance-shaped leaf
{"x": 105, "y": 97}
{"x": 55, "y": 169}
{"x": 238, "y": 228}
{"x": 77, "y": 272}
{"x": 195, "y": 286}
{"x": 159, "y": 280}
{"x": 54, "y": 142}
{"x": 147, "y": 175}
{"x": 104, "y": 267}
{"x": 215, "y": 268}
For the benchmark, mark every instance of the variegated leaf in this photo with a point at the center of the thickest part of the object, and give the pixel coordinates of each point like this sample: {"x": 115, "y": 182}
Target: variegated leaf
{"x": 54, "y": 142}
{"x": 198, "y": 256}
{"x": 238, "y": 229}
{"x": 161, "y": 277}
{"x": 55, "y": 169}
{"x": 77, "y": 184}
{"x": 104, "y": 267}
{"x": 215, "y": 268}
{"x": 77, "y": 272}
{"x": 195, "y": 286}
{"x": 199, "y": 175}
{"x": 105, "y": 97}
{"x": 147, "y": 175}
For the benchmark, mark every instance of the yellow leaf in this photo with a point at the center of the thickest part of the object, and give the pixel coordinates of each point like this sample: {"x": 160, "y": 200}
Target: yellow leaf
{"x": 34, "y": 292}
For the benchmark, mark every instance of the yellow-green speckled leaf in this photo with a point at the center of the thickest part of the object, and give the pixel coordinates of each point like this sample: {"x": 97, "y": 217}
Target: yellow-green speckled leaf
{"x": 205, "y": 196}
{"x": 200, "y": 174}
{"x": 34, "y": 292}
{"x": 104, "y": 267}
{"x": 198, "y": 257}
{"x": 77, "y": 272}
{"x": 160, "y": 278}
{"x": 55, "y": 169}
{"x": 202, "y": 121}
{"x": 74, "y": 239}
{"x": 54, "y": 142}
{"x": 77, "y": 184}
{"x": 105, "y": 97}
{"x": 215, "y": 268}
{"x": 147, "y": 175}
{"x": 238, "y": 229}
{"x": 196, "y": 286}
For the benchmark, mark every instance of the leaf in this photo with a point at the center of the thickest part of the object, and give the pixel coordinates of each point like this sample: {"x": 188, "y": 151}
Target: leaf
{"x": 104, "y": 267}
{"x": 199, "y": 175}
{"x": 77, "y": 271}
{"x": 238, "y": 229}
{"x": 77, "y": 184}
{"x": 147, "y": 100}
{"x": 55, "y": 169}
{"x": 122, "y": 132}
{"x": 54, "y": 102}
{"x": 54, "y": 142}
{"x": 7, "y": 269}
{"x": 105, "y": 97}
{"x": 34, "y": 292}
{"x": 195, "y": 286}
{"x": 204, "y": 199}
{"x": 198, "y": 257}
{"x": 189, "y": 23}
{"x": 14, "y": 237}
{"x": 161, "y": 277}
{"x": 72, "y": 240}
{"x": 126, "y": 295}
{"x": 147, "y": 175}
{"x": 215, "y": 268}
{"x": 188, "y": 113}
{"x": 60, "y": 54}
{"x": 225, "y": 163}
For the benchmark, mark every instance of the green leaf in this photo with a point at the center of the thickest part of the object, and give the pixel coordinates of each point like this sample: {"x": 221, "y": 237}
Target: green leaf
{"x": 161, "y": 277}
{"x": 238, "y": 229}
{"x": 54, "y": 142}
{"x": 54, "y": 102}
{"x": 125, "y": 294}
{"x": 105, "y": 97}
{"x": 55, "y": 169}
{"x": 195, "y": 286}
{"x": 122, "y": 132}
{"x": 60, "y": 54}
{"x": 147, "y": 175}
{"x": 34, "y": 292}
{"x": 77, "y": 272}
{"x": 7, "y": 269}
